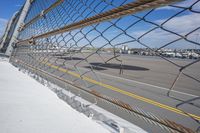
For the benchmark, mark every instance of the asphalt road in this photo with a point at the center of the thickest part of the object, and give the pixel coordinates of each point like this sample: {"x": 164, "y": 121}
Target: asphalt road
{"x": 143, "y": 84}
{"x": 149, "y": 70}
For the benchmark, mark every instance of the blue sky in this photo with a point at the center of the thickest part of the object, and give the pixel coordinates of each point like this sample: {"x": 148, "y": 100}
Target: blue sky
{"x": 7, "y": 9}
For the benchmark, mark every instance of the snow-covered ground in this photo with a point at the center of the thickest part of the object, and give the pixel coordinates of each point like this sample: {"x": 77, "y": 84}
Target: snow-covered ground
{"x": 26, "y": 106}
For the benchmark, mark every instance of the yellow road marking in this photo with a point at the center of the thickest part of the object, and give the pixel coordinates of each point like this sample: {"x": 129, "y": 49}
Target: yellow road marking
{"x": 135, "y": 96}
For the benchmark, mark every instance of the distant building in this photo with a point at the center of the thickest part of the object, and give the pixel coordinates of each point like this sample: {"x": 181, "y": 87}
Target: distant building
{"x": 124, "y": 49}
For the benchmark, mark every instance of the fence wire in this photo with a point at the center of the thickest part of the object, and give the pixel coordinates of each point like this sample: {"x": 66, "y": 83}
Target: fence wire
{"x": 88, "y": 42}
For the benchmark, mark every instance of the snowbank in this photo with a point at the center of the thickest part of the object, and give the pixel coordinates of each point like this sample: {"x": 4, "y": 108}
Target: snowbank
{"x": 26, "y": 106}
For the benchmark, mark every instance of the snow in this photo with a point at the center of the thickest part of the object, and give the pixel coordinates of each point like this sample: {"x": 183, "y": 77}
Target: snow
{"x": 28, "y": 106}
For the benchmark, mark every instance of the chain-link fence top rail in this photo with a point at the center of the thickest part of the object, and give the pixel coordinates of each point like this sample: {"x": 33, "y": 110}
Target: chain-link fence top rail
{"x": 92, "y": 39}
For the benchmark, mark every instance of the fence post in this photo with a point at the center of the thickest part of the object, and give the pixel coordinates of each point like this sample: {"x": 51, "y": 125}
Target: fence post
{"x": 16, "y": 32}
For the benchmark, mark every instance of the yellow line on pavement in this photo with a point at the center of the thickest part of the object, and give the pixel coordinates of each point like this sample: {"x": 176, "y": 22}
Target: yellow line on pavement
{"x": 135, "y": 96}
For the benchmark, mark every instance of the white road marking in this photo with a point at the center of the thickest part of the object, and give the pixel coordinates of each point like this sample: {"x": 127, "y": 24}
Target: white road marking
{"x": 162, "y": 88}
{"x": 129, "y": 80}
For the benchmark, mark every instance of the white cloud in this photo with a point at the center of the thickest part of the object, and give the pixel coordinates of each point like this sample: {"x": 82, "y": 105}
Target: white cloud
{"x": 3, "y": 23}
{"x": 181, "y": 25}
{"x": 166, "y": 8}
{"x": 186, "y": 3}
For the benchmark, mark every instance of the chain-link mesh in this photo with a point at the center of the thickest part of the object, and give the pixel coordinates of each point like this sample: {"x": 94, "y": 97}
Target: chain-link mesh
{"x": 132, "y": 51}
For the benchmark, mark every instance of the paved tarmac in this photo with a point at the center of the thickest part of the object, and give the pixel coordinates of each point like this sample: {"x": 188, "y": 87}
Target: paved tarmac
{"x": 143, "y": 84}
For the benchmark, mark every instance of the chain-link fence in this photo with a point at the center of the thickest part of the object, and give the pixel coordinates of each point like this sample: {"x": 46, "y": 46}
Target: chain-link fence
{"x": 141, "y": 54}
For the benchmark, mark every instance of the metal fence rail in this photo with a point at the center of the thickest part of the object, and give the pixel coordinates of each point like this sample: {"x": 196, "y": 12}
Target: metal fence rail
{"x": 84, "y": 41}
